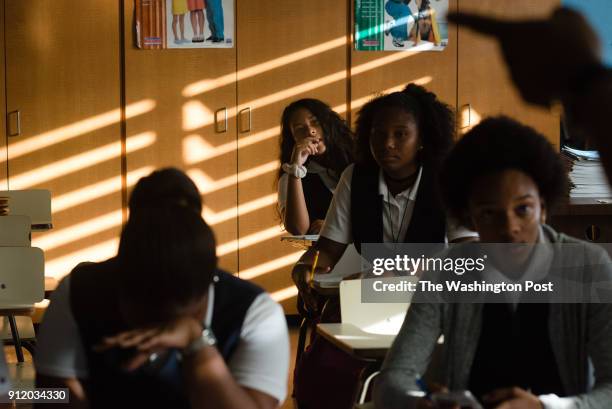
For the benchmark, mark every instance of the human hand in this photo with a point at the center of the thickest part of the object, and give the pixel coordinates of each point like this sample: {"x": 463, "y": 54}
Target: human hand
{"x": 544, "y": 56}
{"x": 512, "y": 398}
{"x": 301, "y": 277}
{"x": 316, "y": 226}
{"x": 147, "y": 341}
{"x": 303, "y": 149}
{"x": 427, "y": 403}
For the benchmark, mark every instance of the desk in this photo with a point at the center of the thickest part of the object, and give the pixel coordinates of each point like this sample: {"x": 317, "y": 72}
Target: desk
{"x": 584, "y": 218}
{"x": 351, "y": 339}
{"x": 325, "y": 290}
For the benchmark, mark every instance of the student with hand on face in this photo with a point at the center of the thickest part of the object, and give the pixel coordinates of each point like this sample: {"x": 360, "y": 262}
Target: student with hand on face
{"x": 390, "y": 195}
{"x": 502, "y": 179}
{"x": 316, "y": 147}
{"x": 159, "y": 326}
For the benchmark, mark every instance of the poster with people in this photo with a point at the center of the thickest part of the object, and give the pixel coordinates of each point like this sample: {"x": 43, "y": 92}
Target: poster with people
{"x": 401, "y": 25}
{"x": 184, "y": 23}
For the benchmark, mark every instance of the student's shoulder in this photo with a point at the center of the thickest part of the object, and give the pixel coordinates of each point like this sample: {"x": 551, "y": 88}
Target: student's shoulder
{"x": 235, "y": 285}
{"x": 258, "y": 304}
{"x": 591, "y": 250}
{"x": 92, "y": 277}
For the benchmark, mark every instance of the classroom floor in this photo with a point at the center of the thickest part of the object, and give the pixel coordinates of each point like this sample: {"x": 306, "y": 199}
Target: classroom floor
{"x": 22, "y": 375}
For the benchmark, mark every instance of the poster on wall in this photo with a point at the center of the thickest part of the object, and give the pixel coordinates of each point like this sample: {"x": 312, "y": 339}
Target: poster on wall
{"x": 401, "y": 25}
{"x": 184, "y": 23}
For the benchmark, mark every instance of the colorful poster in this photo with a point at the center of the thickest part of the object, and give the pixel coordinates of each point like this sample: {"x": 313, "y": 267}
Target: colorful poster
{"x": 401, "y": 25}
{"x": 184, "y": 23}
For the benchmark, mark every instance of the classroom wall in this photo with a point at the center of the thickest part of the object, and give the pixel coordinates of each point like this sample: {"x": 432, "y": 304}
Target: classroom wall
{"x": 97, "y": 113}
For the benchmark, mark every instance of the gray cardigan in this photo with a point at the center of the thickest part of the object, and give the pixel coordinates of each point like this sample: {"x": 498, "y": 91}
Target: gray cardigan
{"x": 581, "y": 334}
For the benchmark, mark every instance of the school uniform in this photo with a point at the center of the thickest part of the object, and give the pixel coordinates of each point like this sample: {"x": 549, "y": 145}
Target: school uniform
{"x": 364, "y": 211}
{"x": 250, "y": 328}
{"x": 550, "y": 349}
{"x": 318, "y": 186}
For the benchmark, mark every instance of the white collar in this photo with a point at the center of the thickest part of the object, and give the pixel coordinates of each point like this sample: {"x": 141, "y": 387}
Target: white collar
{"x": 409, "y": 193}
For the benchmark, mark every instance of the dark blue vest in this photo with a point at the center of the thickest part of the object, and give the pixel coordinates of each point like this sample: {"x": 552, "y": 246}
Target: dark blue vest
{"x": 94, "y": 304}
{"x": 428, "y": 223}
{"x": 317, "y": 195}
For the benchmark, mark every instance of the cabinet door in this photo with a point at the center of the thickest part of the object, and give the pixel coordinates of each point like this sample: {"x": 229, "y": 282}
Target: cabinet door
{"x": 180, "y": 100}
{"x": 62, "y": 75}
{"x": 3, "y": 133}
{"x": 287, "y": 50}
{"x": 484, "y": 84}
{"x": 375, "y": 72}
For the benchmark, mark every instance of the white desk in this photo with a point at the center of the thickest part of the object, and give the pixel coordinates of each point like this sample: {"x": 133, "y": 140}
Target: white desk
{"x": 355, "y": 341}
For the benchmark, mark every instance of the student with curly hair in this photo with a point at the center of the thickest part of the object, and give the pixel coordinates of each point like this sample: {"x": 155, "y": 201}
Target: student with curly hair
{"x": 502, "y": 179}
{"x": 388, "y": 196}
{"x": 316, "y": 147}
{"x": 402, "y": 139}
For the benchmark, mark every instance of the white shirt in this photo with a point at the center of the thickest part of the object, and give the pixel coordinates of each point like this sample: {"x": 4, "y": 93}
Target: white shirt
{"x": 260, "y": 361}
{"x": 312, "y": 167}
{"x": 338, "y": 226}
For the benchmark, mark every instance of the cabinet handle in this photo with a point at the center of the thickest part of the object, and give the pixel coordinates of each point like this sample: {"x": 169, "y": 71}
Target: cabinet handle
{"x": 469, "y": 115}
{"x": 17, "y": 115}
{"x": 240, "y": 115}
{"x": 218, "y": 128}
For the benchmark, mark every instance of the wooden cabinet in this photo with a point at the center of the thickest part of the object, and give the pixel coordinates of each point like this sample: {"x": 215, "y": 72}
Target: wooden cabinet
{"x": 96, "y": 113}
{"x": 184, "y": 101}
{"x": 63, "y": 78}
{"x": 585, "y": 219}
{"x": 286, "y": 51}
{"x": 484, "y": 86}
{"x": 3, "y": 138}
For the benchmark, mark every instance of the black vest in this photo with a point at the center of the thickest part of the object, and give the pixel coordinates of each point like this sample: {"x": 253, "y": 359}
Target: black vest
{"x": 514, "y": 349}
{"x": 94, "y": 304}
{"x": 428, "y": 222}
{"x": 317, "y": 195}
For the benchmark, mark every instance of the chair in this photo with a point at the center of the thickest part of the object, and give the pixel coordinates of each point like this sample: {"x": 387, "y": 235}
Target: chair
{"x": 379, "y": 318}
{"x": 28, "y": 210}
{"x": 21, "y": 286}
{"x": 349, "y": 263}
{"x": 34, "y": 203}
{"x": 15, "y": 231}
